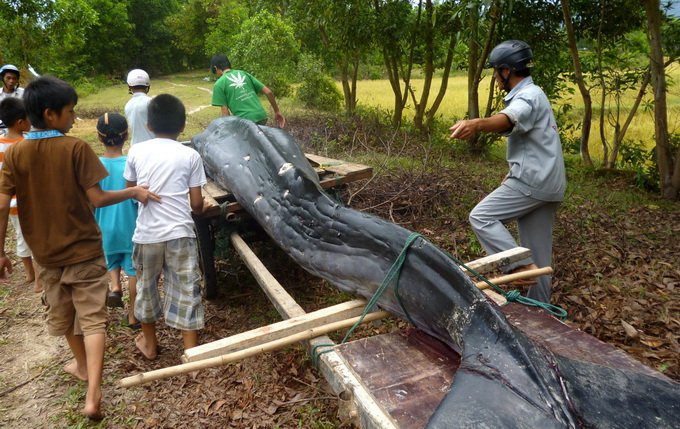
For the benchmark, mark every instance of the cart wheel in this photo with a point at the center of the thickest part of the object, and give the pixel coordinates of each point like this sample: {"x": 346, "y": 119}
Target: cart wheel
{"x": 207, "y": 259}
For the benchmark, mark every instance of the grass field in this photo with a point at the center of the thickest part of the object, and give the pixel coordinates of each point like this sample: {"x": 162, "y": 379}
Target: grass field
{"x": 195, "y": 92}
{"x": 454, "y": 106}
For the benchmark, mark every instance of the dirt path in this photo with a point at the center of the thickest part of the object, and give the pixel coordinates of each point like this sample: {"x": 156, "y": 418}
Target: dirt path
{"x": 280, "y": 389}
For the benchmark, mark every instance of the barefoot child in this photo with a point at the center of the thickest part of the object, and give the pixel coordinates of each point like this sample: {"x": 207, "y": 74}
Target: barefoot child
{"x": 164, "y": 237}
{"x": 56, "y": 181}
{"x": 13, "y": 114}
{"x": 117, "y": 221}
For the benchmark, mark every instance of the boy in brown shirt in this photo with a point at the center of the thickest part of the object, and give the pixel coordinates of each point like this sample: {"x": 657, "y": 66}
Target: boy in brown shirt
{"x": 56, "y": 181}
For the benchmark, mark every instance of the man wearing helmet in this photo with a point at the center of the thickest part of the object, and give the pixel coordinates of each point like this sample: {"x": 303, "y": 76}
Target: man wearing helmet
{"x": 137, "y": 108}
{"x": 10, "y": 75}
{"x": 532, "y": 190}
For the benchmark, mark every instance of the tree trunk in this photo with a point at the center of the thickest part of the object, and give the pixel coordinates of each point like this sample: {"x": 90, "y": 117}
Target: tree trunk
{"x": 585, "y": 93}
{"x": 669, "y": 174}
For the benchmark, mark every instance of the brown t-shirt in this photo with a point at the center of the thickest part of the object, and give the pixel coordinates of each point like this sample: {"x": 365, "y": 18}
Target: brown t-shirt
{"x": 49, "y": 177}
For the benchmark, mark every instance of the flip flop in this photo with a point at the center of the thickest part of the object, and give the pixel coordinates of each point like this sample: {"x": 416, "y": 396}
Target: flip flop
{"x": 126, "y": 323}
{"x": 115, "y": 300}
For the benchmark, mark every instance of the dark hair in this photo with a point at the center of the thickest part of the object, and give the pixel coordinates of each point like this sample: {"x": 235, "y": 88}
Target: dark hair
{"x": 47, "y": 92}
{"x": 12, "y": 110}
{"x": 112, "y": 129}
{"x": 523, "y": 73}
{"x": 220, "y": 61}
{"x": 166, "y": 115}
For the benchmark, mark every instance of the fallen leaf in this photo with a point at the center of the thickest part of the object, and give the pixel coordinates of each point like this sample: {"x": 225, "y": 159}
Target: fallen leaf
{"x": 630, "y": 331}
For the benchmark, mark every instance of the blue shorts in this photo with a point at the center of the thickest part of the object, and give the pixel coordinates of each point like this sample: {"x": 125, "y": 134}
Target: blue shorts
{"x": 123, "y": 260}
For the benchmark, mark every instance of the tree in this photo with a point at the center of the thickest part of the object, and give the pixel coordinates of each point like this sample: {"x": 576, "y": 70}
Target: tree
{"x": 190, "y": 27}
{"x": 580, "y": 81}
{"x": 344, "y": 44}
{"x": 267, "y": 48}
{"x": 155, "y": 51}
{"x": 668, "y": 162}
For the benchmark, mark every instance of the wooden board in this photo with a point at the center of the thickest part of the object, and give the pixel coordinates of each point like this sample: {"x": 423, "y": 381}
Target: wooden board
{"x": 344, "y": 169}
{"x": 276, "y": 331}
{"x": 571, "y": 342}
{"x": 408, "y": 372}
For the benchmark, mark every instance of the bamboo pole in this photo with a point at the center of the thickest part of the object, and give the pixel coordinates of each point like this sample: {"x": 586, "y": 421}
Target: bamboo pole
{"x": 158, "y": 374}
{"x": 529, "y": 274}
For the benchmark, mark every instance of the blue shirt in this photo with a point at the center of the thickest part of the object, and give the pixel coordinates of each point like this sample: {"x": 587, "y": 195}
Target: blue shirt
{"x": 534, "y": 151}
{"x": 117, "y": 221}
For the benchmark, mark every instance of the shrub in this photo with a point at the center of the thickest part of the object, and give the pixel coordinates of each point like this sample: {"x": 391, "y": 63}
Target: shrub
{"x": 317, "y": 90}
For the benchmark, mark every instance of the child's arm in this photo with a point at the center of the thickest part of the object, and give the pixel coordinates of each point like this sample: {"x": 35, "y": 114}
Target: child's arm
{"x": 225, "y": 111}
{"x": 198, "y": 204}
{"x": 101, "y": 198}
{"x": 5, "y": 262}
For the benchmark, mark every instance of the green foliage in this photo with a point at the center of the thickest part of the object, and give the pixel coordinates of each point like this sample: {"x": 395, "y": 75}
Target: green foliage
{"x": 190, "y": 26}
{"x": 224, "y": 27}
{"x": 633, "y": 155}
{"x": 266, "y": 47}
{"x": 317, "y": 90}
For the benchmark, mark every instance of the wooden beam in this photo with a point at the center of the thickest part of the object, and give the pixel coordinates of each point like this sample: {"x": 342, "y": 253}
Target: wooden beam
{"x": 520, "y": 275}
{"x": 158, "y": 374}
{"x": 360, "y": 402}
{"x": 340, "y": 168}
{"x": 276, "y": 331}
{"x": 498, "y": 260}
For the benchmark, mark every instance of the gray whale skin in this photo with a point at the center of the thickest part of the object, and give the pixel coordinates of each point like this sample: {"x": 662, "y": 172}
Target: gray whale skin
{"x": 504, "y": 380}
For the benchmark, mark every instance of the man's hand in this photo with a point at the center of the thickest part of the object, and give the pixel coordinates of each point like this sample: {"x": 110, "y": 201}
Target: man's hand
{"x": 463, "y": 130}
{"x": 143, "y": 195}
{"x": 280, "y": 120}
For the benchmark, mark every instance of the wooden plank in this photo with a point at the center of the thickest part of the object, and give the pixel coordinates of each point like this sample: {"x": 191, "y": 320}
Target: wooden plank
{"x": 498, "y": 260}
{"x": 209, "y": 198}
{"x": 276, "y": 331}
{"x": 408, "y": 372}
{"x": 571, "y": 342}
{"x": 360, "y": 405}
{"x": 185, "y": 368}
{"x": 216, "y": 191}
{"x": 340, "y": 168}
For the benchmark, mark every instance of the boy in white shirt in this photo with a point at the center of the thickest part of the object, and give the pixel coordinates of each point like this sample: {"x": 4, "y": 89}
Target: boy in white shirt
{"x": 136, "y": 110}
{"x": 164, "y": 236}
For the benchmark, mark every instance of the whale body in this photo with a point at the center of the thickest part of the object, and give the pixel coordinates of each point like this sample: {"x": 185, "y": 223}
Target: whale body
{"x": 505, "y": 379}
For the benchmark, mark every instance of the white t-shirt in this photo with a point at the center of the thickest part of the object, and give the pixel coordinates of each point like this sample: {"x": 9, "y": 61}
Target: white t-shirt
{"x": 137, "y": 112}
{"x": 170, "y": 169}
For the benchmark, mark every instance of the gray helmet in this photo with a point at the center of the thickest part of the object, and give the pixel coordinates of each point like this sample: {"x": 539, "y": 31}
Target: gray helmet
{"x": 511, "y": 54}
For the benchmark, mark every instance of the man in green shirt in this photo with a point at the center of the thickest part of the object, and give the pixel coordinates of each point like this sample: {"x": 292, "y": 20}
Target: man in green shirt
{"x": 236, "y": 92}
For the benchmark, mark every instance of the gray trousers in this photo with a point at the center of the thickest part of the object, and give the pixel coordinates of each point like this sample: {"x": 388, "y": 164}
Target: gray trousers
{"x": 535, "y": 221}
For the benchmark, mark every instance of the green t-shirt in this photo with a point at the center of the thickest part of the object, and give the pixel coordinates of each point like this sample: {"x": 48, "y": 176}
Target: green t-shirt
{"x": 238, "y": 91}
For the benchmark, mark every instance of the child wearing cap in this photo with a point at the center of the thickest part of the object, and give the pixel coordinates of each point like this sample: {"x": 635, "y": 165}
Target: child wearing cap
{"x": 56, "y": 180}
{"x": 117, "y": 222}
{"x": 13, "y": 114}
{"x": 137, "y": 108}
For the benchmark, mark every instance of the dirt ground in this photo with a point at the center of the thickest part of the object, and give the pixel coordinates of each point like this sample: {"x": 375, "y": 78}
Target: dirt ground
{"x": 616, "y": 273}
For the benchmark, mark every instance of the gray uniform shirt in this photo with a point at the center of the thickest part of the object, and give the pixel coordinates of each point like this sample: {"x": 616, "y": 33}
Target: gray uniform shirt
{"x": 534, "y": 150}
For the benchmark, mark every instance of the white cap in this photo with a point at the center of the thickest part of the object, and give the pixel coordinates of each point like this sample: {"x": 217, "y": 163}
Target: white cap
{"x": 138, "y": 77}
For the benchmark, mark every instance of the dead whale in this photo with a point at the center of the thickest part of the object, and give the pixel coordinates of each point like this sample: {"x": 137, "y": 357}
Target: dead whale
{"x": 505, "y": 380}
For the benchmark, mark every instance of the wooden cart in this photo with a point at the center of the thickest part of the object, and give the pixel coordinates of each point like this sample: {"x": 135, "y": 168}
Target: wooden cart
{"x": 332, "y": 173}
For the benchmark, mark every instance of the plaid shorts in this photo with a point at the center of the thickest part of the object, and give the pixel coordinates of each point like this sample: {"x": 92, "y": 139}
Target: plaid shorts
{"x": 178, "y": 260}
